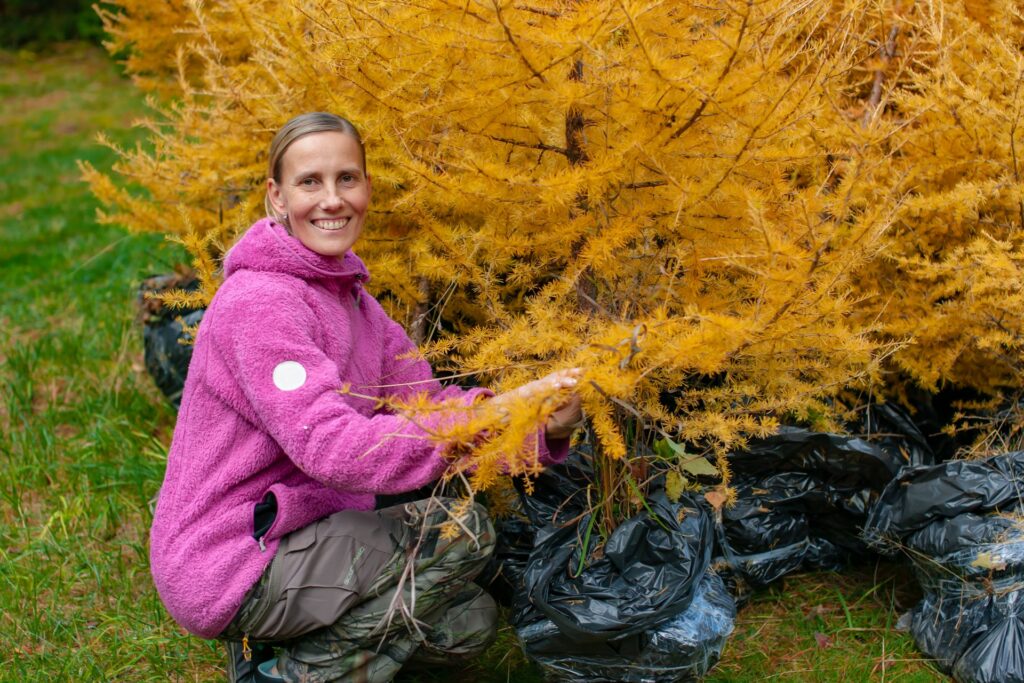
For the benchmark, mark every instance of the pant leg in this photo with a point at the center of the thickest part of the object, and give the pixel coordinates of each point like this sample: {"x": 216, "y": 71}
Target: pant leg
{"x": 398, "y": 614}
{"x": 467, "y": 627}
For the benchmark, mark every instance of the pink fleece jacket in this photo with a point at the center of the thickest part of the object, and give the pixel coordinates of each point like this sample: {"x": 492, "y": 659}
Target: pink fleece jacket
{"x": 261, "y": 413}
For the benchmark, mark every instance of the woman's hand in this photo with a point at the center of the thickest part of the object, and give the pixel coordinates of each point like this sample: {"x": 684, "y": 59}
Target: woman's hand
{"x": 566, "y": 418}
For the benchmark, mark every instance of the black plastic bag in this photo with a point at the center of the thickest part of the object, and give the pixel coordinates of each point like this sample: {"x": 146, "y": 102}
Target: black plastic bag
{"x": 684, "y": 648}
{"x": 760, "y": 538}
{"x": 644, "y": 574}
{"x": 640, "y": 605}
{"x": 845, "y": 461}
{"x": 892, "y": 429}
{"x": 802, "y": 496}
{"x": 973, "y": 633}
{"x": 502, "y": 577}
{"x": 955, "y": 522}
{"x": 997, "y": 655}
{"x": 558, "y": 495}
{"x": 167, "y": 349}
{"x": 922, "y": 495}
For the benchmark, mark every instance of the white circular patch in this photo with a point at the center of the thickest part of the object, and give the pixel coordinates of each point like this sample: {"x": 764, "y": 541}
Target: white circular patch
{"x": 289, "y": 375}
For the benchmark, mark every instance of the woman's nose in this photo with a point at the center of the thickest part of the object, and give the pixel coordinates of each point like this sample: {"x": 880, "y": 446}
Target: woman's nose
{"x": 331, "y": 199}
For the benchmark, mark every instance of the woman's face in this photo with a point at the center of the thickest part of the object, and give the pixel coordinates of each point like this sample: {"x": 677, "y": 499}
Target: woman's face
{"x": 324, "y": 191}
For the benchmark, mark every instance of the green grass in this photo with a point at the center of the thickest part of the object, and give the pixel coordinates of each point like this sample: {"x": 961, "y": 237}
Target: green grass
{"x": 83, "y": 437}
{"x": 82, "y": 431}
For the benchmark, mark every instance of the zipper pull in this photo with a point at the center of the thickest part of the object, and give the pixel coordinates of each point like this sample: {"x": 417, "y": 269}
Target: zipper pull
{"x": 263, "y": 546}
{"x": 246, "y": 650}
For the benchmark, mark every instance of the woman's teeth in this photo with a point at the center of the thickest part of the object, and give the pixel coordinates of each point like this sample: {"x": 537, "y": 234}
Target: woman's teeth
{"x": 332, "y": 225}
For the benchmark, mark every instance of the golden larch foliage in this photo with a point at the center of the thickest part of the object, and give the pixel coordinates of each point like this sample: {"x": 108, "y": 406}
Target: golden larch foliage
{"x": 726, "y": 212}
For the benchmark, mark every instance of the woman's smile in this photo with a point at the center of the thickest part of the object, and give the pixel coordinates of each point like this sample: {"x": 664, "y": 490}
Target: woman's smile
{"x": 330, "y": 224}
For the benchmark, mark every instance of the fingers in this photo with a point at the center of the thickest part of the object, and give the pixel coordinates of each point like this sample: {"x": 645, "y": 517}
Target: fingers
{"x": 560, "y": 380}
{"x": 567, "y": 379}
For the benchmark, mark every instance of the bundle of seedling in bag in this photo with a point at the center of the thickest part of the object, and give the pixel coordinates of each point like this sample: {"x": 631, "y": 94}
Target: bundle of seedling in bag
{"x": 960, "y": 524}
{"x": 802, "y": 497}
{"x": 166, "y": 333}
{"x": 637, "y": 604}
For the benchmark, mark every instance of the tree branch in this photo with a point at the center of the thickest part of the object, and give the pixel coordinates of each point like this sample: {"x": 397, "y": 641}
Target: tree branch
{"x": 888, "y": 52}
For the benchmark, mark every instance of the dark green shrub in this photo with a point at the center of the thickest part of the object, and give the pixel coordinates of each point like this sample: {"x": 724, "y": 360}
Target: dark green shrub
{"x": 32, "y": 23}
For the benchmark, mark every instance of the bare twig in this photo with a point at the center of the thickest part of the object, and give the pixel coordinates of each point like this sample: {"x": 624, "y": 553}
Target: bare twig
{"x": 538, "y": 10}
{"x": 888, "y": 52}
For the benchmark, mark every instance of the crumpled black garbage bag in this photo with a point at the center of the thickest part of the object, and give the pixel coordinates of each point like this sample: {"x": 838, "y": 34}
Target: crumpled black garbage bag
{"x": 892, "y": 429}
{"x": 758, "y": 521}
{"x": 958, "y": 523}
{"x": 977, "y": 634}
{"x": 924, "y": 494}
{"x": 761, "y": 538}
{"x": 997, "y": 654}
{"x": 558, "y": 495}
{"x": 844, "y": 461}
{"x": 968, "y": 547}
{"x": 637, "y": 606}
{"x": 167, "y": 349}
{"x": 684, "y": 648}
{"x": 644, "y": 573}
{"x": 502, "y": 577}
{"x": 802, "y": 496}
{"x": 824, "y": 555}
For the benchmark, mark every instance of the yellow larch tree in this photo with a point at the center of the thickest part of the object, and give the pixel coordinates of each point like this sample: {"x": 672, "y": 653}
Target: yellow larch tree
{"x": 704, "y": 205}
{"x": 949, "y": 281}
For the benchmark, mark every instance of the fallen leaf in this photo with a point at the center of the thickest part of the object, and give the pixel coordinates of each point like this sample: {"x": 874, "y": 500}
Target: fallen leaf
{"x": 674, "y": 485}
{"x": 822, "y": 640}
{"x": 989, "y": 561}
{"x": 697, "y": 465}
{"x": 819, "y": 611}
{"x": 715, "y": 499}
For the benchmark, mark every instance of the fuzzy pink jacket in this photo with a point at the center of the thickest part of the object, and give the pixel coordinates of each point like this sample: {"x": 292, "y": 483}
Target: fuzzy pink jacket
{"x": 261, "y": 413}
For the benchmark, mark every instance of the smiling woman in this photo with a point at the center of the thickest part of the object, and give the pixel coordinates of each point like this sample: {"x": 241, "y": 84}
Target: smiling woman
{"x": 318, "y": 186}
{"x": 266, "y": 527}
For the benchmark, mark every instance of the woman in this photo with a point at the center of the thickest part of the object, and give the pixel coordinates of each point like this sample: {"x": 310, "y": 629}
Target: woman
{"x": 265, "y": 528}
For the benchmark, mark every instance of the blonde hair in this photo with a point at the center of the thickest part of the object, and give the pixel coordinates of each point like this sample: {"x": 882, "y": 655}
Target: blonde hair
{"x": 301, "y": 126}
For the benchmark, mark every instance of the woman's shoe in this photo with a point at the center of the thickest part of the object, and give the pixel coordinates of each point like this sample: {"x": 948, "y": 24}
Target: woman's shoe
{"x": 267, "y": 673}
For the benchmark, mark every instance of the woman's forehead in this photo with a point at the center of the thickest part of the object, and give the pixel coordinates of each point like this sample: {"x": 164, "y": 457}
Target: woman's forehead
{"x": 333, "y": 149}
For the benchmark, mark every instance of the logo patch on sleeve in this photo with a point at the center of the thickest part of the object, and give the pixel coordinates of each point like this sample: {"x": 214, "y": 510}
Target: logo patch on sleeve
{"x": 289, "y": 375}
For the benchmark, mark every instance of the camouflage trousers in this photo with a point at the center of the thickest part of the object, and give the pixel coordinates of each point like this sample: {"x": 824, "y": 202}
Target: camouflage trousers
{"x": 358, "y": 595}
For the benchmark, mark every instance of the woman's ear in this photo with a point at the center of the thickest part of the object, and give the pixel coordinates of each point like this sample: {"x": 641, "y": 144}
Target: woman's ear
{"x": 276, "y": 198}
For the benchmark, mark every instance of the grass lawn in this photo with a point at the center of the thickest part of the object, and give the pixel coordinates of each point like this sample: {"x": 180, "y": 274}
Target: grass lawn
{"x": 83, "y": 437}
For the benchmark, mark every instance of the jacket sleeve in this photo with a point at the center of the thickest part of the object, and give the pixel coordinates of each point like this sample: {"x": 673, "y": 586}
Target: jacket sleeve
{"x": 270, "y": 348}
